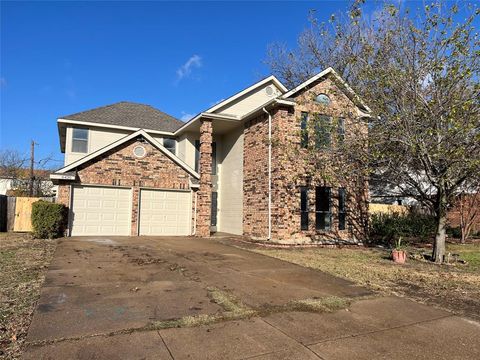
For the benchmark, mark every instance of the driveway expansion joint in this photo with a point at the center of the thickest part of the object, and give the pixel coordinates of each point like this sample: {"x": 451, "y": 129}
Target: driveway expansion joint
{"x": 298, "y": 342}
{"x": 166, "y": 346}
{"x": 379, "y": 330}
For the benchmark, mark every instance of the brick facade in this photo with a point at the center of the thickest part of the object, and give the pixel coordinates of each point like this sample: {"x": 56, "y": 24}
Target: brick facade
{"x": 255, "y": 177}
{"x": 290, "y": 166}
{"x": 119, "y": 167}
{"x": 205, "y": 191}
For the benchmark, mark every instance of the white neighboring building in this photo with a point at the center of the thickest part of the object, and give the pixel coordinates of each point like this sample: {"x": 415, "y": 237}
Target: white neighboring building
{"x": 9, "y": 184}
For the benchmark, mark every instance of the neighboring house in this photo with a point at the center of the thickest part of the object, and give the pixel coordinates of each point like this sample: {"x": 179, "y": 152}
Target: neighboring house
{"x": 19, "y": 185}
{"x": 131, "y": 169}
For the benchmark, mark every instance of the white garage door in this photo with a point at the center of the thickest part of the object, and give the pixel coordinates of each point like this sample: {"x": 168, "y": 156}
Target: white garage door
{"x": 165, "y": 212}
{"x": 101, "y": 211}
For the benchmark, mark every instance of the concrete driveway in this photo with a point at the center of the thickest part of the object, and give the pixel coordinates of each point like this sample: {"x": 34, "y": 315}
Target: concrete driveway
{"x": 137, "y": 298}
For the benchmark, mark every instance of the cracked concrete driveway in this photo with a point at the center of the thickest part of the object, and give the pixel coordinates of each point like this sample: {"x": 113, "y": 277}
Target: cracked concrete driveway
{"x": 179, "y": 298}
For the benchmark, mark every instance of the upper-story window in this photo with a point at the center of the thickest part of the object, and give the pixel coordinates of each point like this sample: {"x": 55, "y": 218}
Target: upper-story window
{"x": 323, "y": 134}
{"x": 341, "y": 130}
{"x": 304, "y": 130}
{"x": 80, "y": 140}
{"x": 323, "y": 99}
{"x": 170, "y": 144}
{"x": 214, "y": 158}
{"x": 197, "y": 155}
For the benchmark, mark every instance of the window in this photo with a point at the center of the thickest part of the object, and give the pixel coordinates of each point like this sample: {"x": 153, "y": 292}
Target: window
{"x": 323, "y": 215}
{"x": 322, "y": 99}
{"x": 323, "y": 138}
{"x": 303, "y": 208}
{"x": 214, "y": 158}
{"x": 304, "y": 130}
{"x": 80, "y": 140}
{"x": 213, "y": 209}
{"x": 170, "y": 144}
{"x": 341, "y": 130}
{"x": 197, "y": 155}
{"x": 139, "y": 151}
{"x": 342, "y": 208}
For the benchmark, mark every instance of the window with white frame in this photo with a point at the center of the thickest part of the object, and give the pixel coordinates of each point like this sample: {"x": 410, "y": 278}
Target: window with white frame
{"x": 80, "y": 140}
{"x": 170, "y": 144}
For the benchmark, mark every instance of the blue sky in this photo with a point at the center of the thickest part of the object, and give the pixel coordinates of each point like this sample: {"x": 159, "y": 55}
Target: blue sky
{"x": 59, "y": 58}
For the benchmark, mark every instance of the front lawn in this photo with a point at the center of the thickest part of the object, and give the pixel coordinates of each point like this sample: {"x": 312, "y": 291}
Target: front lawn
{"x": 454, "y": 287}
{"x": 23, "y": 264}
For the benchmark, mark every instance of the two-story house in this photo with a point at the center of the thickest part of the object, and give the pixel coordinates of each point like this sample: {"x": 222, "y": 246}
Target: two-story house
{"x": 131, "y": 169}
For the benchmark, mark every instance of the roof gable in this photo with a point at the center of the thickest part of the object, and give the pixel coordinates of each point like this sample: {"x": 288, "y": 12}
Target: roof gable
{"x": 123, "y": 140}
{"x": 337, "y": 78}
{"x": 251, "y": 89}
{"x": 128, "y": 114}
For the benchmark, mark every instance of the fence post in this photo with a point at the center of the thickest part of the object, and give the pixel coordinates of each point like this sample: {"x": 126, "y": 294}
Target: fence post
{"x": 3, "y": 213}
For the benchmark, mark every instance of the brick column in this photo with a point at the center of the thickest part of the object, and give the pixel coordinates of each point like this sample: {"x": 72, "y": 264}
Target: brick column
{"x": 205, "y": 190}
{"x": 134, "y": 213}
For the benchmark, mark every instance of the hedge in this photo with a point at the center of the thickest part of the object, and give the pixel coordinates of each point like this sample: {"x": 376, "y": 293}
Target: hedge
{"x": 389, "y": 227}
{"x": 49, "y": 220}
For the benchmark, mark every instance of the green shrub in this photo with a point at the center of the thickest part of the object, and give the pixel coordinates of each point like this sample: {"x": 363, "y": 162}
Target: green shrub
{"x": 454, "y": 232}
{"x": 389, "y": 227}
{"x": 49, "y": 220}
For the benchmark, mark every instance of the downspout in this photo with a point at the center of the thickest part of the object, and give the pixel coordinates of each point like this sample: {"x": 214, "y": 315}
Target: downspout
{"x": 195, "y": 214}
{"x": 269, "y": 174}
{"x": 70, "y": 207}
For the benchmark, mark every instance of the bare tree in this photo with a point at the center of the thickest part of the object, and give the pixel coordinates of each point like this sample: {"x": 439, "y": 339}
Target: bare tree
{"x": 467, "y": 208}
{"x": 420, "y": 77}
{"x": 14, "y": 169}
{"x": 11, "y": 163}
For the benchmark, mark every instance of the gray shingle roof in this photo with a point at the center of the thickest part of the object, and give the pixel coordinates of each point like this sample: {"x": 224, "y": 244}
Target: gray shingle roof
{"x": 129, "y": 114}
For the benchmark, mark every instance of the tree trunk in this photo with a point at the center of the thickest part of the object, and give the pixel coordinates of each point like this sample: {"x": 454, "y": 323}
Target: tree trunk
{"x": 464, "y": 236}
{"x": 439, "y": 245}
{"x": 438, "y": 254}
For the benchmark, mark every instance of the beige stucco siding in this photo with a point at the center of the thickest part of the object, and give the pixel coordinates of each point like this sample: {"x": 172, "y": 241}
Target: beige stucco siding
{"x": 97, "y": 139}
{"x": 186, "y": 148}
{"x": 230, "y": 214}
{"x": 249, "y": 101}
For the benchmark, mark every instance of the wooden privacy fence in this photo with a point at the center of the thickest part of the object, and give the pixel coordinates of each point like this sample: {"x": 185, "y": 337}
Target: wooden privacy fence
{"x": 387, "y": 209}
{"x": 3, "y": 213}
{"x": 16, "y": 212}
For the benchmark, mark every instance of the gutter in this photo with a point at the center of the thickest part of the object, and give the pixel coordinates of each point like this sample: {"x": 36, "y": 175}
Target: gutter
{"x": 269, "y": 173}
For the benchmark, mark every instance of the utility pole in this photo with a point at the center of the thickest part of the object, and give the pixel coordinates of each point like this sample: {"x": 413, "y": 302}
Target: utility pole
{"x": 32, "y": 162}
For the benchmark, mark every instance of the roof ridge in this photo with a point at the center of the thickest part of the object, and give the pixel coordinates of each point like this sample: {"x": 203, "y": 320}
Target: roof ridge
{"x": 95, "y": 108}
{"x": 121, "y": 102}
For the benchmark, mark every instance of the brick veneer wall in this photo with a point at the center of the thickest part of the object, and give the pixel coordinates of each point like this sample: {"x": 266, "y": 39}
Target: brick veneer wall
{"x": 255, "y": 177}
{"x": 288, "y": 169}
{"x": 119, "y": 167}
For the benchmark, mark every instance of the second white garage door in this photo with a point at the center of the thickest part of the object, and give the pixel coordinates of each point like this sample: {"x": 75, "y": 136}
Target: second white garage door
{"x": 165, "y": 212}
{"x": 101, "y": 211}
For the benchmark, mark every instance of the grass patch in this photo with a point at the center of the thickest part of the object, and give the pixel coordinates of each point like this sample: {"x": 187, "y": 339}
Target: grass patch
{"x": 468, "y": 252}
{"x": 456, "y": 288}
{"x": 229, "y": 303}
{"x": 233, "y": 308}
{"x": 23, "y": 264}
{"x": 326, "y": 304}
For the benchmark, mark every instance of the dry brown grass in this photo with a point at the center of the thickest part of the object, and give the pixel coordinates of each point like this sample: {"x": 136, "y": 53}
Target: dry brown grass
{"x": 456, "y": 288}
{"x": 23, "y": 264}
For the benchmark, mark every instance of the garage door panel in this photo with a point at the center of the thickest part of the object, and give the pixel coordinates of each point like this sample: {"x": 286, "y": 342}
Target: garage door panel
{"x": 165, "y": 212}
{"x": 100, "y": 211}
